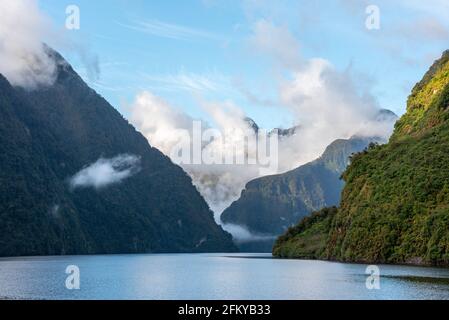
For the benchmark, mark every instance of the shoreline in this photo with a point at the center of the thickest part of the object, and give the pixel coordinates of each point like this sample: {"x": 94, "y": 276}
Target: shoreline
{"x": 404, "y": 264}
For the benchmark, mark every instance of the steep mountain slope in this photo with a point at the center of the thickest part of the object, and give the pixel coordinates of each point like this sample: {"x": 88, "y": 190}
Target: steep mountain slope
{"x": 50, "y": 134}
{"x": 269, "y": 205}
{"x": 395, "y": 206}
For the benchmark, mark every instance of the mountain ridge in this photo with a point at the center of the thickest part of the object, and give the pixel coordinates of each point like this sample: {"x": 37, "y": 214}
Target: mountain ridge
{"x": 269, "y": 205}
{"x": 66, "y": 127}
{"x": 395, "y": 205}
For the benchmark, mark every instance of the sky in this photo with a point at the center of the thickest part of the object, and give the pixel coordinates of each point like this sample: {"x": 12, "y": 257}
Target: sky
{"x": 185, "y": 51}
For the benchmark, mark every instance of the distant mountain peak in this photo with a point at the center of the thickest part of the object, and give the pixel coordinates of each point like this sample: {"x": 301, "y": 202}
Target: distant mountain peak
{"x": 285, "y": 132}
{"x": 386, "y": 114}
{"x": 252, "y": 124}
{"x": 270, "y": 204}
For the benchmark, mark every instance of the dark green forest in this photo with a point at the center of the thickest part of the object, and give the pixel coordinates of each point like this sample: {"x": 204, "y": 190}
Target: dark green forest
{"x": 47, "y": 136}
{"x": 271, "y": 204}
{"x": 395, "y": 204}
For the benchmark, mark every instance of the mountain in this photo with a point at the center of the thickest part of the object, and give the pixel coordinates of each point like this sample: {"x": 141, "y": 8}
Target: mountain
{"x": 252, "y": 124}
{"x": 395, "y": 205}
{"x": 285, "y": 132}
{"x": 271, "y": 204}
{"x": 49, "y": 136}
{"x": 385, "y": 115}
{"x": 282, "y": 133}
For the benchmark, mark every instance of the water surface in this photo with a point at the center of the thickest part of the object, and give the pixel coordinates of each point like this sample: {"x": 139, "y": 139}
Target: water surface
{"x": 212, "y": 276}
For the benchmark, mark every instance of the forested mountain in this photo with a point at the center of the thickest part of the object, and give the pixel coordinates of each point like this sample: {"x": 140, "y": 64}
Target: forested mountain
{"x": 269, "y": 205}
{"x": 395, "y": 205}
{"x": 77, "y": 178}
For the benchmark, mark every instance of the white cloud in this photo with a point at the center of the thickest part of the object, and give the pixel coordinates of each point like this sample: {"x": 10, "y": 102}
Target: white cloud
{"x": 243, "y": 235}
{"x": 188, "y": 81}
{"x": 326, "y": 103}
{"x": 167, "y": 30}
{"x": 23, "y": 58}
{"x": 105, "y": 172}
{"x": 164, "y": 125}
{"x": 222, "y": 184}
{"x": 275, "y": 41}
{"x": 90, "y": 62}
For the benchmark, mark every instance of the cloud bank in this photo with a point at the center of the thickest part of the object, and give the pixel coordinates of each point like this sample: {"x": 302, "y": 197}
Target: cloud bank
{"x": 326, "y": 107}
{"x": 23, "y": 58}
{"x": 105, "y": 172}
{"x": 167, "y": 127}
{"x": 243, "y": 235}
{"x": 326, "y": 104}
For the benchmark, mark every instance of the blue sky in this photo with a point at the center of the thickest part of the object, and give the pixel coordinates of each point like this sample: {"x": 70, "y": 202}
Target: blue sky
{"x": 186, "y": 51}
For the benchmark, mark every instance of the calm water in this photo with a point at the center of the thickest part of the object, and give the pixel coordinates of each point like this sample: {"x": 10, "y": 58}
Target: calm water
{"x": 212, "y": 276}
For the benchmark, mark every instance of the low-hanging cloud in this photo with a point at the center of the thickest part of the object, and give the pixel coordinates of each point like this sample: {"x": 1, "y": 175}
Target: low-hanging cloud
{"x": 105, "y": 172}
{"x": 326, "y": 104}
{"x": 24, "y": 60}
{"x": 166, "y": 127}
{"x": 243, "y": 235}
{"x": 25, "y": 57}
{"x": 325, "y": 112}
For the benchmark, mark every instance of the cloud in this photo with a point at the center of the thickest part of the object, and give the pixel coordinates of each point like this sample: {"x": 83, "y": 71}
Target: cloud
{"x": 188, "y": 81}
{"x": 90, "y": 61}
{"x": 241, "y": 234}
{"x": 410, "y": 31}
{"x": 275, "y": 41}
{"x": 105, "y": 172}
{"x": 24, "y": 60}
{"x": 253, "y": 97}
{"x": 167, "y": 127}
{"x": 220, "y": 184}
{"x": 164, "y": 125}
{"x": 167, "y": 30}
{"x": 326, "y": 104}
{"x": 426, "y": 29}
